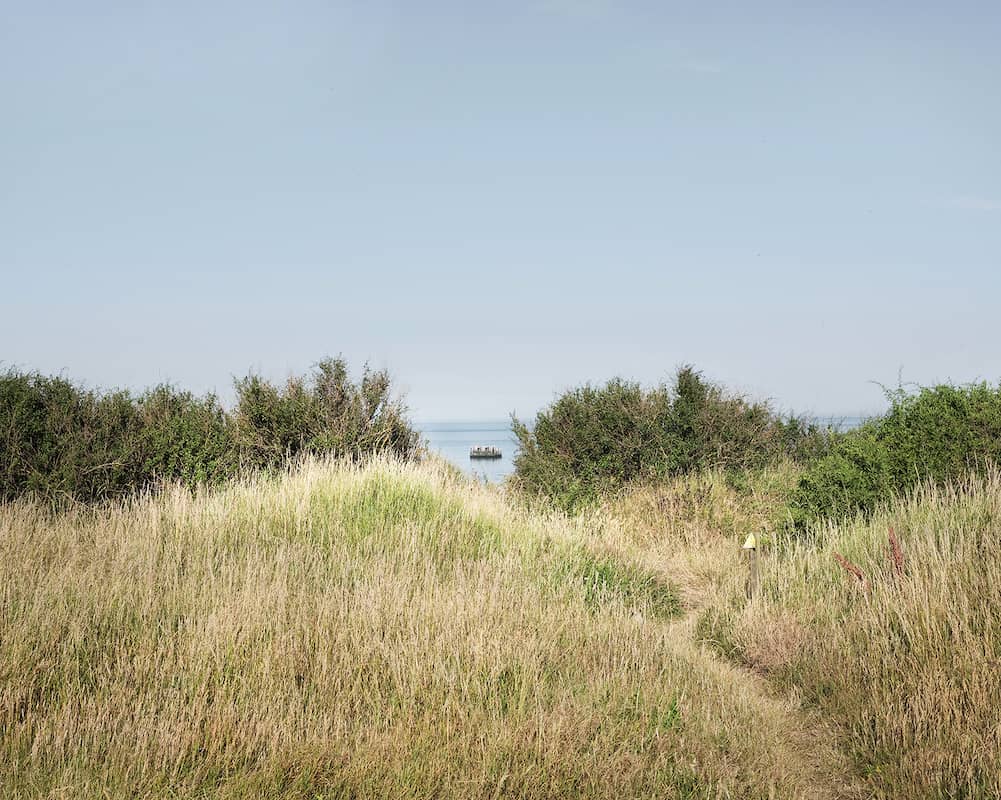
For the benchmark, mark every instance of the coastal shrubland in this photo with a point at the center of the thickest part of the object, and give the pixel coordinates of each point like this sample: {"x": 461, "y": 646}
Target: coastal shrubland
{"x": 936, "y": 434}
{"x": 62, "y": 441}
{"x": 253, "y": 616}
{"x": 880, "y": 569}
{"x": 594, "y": 440}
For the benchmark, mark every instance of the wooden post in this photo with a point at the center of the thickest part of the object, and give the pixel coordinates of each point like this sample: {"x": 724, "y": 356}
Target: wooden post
{"x": 751, "y": 550}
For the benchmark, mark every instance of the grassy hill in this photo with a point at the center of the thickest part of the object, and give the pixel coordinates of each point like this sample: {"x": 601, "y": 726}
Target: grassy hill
{"x": 395, "y": 631}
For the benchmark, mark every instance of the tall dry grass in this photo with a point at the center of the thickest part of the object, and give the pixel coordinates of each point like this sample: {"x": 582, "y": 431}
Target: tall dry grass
{"x": 907, "y": 660}
{"x": 386, "y": 631}
{"x": 692, "y": 526}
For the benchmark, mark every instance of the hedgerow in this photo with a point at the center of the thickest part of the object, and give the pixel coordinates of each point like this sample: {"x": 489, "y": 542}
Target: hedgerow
{"x": 595, "y": 439}
{"x": 935, "y": 435}
{"x": 61, "y": 440}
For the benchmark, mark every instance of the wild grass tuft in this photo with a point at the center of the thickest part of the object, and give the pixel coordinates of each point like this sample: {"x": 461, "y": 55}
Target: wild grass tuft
{"x": 902, "y": 655}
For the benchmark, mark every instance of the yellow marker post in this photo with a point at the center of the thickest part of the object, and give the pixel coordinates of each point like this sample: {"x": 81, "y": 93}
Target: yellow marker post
{"x": 751, "y": 548}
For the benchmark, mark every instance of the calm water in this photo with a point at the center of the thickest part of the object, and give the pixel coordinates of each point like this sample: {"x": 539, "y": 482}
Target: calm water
{"x": 453, "y": 440}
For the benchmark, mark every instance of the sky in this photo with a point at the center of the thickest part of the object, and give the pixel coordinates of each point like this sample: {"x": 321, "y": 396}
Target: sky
{"x": 499, "y": 201}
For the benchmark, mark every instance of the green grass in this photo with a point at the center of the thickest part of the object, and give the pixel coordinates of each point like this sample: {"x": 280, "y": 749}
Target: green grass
{"x": 394, "y": 631}
{"x": 604, "y": 579}
{"x": 387, "y": 631}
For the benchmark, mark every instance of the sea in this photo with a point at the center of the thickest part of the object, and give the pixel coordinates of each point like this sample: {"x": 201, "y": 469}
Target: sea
{"x": 454, "y": 439}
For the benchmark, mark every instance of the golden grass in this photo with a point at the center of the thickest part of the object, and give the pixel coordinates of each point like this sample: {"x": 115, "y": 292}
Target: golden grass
{"x": 386, "y": 631}
{"x": 395, "y": 631}
{"x": 906, "y": 661}
{"x": 693, "y": 526}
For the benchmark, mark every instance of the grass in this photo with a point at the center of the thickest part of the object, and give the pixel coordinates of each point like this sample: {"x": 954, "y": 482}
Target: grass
{"x": 386, "y": 631}
{"x": 393, "y": 631}
{"x": 907, "y": 661}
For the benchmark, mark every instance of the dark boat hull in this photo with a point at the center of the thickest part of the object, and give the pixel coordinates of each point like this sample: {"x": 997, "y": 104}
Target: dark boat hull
{"x": 484, "y": 451}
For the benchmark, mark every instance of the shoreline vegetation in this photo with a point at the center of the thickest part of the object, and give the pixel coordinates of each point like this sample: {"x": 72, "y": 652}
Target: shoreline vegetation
{"x": 292, "y": 599}
{"x": 64, "y": 442}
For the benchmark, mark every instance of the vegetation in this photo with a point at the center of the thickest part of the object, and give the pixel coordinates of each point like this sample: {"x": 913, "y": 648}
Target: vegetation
{"x": 390, "y": 630}
{"x": 898, "y": 649}
{"x": 594, "y": 440}
{"x": 327, "y": 415}
{"x": 60, "y": 440}
{"x": 384, "y": 630}
{"x": 380, "y": 627}
{"x": 936, "y": 434}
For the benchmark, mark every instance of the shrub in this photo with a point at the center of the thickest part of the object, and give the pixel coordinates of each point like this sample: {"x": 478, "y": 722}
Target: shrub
{"x": 327, "y": 414}
{"x": 937, "y": 434}
{"x": 854, "y": 475}
{"x": 185, "y": 438}
{"x": 63, "y": 441}
{"x": 593, "y": 440}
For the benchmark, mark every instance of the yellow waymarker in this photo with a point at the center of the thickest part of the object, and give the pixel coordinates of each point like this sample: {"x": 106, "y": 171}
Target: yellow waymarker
{"x": 751, "y": 548}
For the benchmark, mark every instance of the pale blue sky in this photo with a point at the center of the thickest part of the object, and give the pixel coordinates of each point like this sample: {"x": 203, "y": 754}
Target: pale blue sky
{"x": 497, "y": 201}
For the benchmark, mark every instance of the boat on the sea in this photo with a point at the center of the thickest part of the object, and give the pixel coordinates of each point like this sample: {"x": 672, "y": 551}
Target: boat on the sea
{"x": 484, "y": 451}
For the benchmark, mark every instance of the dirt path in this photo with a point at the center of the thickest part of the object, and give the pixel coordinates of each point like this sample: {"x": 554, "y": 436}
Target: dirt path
{"x": 811, "y": 760}
{"x": 802, "y": 752}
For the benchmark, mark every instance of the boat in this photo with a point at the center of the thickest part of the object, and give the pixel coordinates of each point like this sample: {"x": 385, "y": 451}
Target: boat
{"x": 484, "y": 451}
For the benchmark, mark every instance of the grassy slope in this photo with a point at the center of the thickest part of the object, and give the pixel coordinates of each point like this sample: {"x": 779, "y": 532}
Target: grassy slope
{"x": 395, "y": 632}
{"x": 908, "y": 665}
{"x": 378, "y": 632}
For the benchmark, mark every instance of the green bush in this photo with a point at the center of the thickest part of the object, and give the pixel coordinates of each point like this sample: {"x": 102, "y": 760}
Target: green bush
{"x": 327, "y": 414}
{"x": 185, "y": 438}
{"x": 63, "y": 441}
{"x": 935, "y": 435}
{"x": 593, "y": 440}
{"x": 853, "y": 475}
